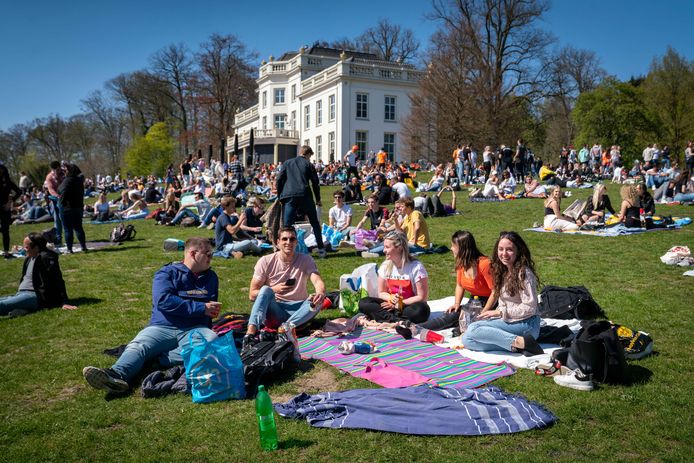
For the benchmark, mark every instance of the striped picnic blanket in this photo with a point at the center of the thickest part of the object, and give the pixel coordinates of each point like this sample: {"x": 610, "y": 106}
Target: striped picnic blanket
{"x": 445, "y": 367}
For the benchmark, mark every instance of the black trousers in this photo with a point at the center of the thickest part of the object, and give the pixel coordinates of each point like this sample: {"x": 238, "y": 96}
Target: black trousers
{"x": 5, "y": 221}
{"x": 416, "y": 313}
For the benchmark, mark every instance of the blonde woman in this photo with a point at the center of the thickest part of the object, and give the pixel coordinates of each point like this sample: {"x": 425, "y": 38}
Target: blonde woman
{"x": 403, "y": 285}
{"x": 554, "y": 219}
{"x": 597, "y": 205}
{"x": 629, "y": 210}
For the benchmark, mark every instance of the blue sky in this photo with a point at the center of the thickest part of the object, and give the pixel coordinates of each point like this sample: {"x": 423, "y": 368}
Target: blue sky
{"x": 54, "y": 54}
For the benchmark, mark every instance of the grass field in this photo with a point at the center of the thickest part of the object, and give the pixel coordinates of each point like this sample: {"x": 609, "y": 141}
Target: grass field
{"x": 48, "y": 413}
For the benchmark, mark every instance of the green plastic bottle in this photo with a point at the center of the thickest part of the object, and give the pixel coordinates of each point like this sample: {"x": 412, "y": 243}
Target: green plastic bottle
{"x": 266, "y": 419}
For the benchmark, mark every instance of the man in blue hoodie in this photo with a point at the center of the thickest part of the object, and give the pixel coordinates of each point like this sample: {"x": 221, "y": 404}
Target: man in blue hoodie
{"x": 184, "y": 297}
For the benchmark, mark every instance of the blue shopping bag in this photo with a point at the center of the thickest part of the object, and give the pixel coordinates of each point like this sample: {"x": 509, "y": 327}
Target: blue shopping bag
{"x": 213, "y": 368}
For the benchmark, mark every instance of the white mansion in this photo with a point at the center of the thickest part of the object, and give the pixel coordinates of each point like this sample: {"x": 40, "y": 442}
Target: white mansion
{"x": 328, "y": 99}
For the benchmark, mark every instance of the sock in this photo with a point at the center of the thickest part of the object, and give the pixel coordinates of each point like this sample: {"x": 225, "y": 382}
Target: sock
{"x": 426, "y": 335}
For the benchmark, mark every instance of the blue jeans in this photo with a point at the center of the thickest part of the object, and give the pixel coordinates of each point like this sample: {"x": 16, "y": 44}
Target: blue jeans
{"x": 684, "y": 197}
{"x": 163, "y": 342}
{"x": 184, "y": 213}
{"x": 488, "y": 335}
{"x": 245, "y": 246}
{"x": 655, "y": 181}
{"x": 460, "y": 171}
{"x": 211, "y": 214}
{"x": 58, "y": 219}
{"x": 23, "y": 300}
{"x": 268, "y": 309}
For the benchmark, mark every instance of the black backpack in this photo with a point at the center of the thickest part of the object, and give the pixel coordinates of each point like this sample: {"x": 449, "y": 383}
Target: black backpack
{"x": 596, "y": 351}
{"x": 264, "y": 361}
{"x": 122, "y": 233}
{"x": 567, "y": 303}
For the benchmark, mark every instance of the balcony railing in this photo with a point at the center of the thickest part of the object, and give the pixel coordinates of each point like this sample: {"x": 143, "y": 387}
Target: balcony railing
{"x": 259, "y": 135}
{"x": 249, "y": 113}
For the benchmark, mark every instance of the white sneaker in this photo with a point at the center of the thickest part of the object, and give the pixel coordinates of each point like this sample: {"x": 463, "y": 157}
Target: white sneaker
{"x": 370, "y": 255}
{"x": 575, "y": 380}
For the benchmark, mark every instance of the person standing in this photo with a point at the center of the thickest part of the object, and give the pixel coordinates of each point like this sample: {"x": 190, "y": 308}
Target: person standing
{"x": 184, "y": 297}
{"x": 53, "y": 180}
{"x": 7, "y": 186}
{"x": 350, "y": 158}
{"x": 72, "y": 204}
{"x": 381, "y": 159}
{"x": 294, "y": 183}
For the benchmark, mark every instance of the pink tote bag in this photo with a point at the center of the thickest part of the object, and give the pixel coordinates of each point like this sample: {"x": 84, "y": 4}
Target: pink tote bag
{"x": 386, "y": 375}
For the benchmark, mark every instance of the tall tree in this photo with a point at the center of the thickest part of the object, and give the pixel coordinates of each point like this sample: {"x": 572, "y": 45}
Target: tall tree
{"x": 152, "y": 153}
{"x": 389, "y": 42}
{"x": 569, "y": 72}
{"x": 173, "y": 66}
{"x": 669, "y": 93}
{"x": 110, "y": 125}
{"x": 614, "y": 114}
{"x": 226, "y": 81}
{"x": 14, "y": 145}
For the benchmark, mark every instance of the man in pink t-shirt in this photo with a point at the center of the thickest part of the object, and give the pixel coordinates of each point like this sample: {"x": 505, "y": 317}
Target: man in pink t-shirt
{"x": 279, "y": 287}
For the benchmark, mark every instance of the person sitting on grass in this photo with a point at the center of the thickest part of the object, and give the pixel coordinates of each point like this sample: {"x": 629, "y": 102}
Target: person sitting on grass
{"x": 629, "y": 213}
{"x": 533, "y": 189}
{"x": 597, "y": 205}
{"x": 200, "y": 203}
{"x": 353, "y": 192}
{"x": 138, "y": 209}
{"x": 251, "y": 222}
{"x": 554, "y": 219}
{"x": 473, "y": 274}
{"x": 278, "y": 288}
{"x": 102, "y": 208}
{"x": 227, "y": 226}
{"x": 41, "y": 285}
{"x": 645, "y": 200}
{"x": 411, "y": 222}
{"x": 403, "y": 285}
{"x": 340, "y": 215}
{"x": 374, "y": 215}
{"x": 184, "y": 297}
{"x": 514, "y": 324}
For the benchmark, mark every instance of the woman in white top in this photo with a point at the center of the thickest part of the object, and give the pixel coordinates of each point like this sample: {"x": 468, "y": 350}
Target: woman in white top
{"x": 403, "y": 285}
{"x": 514, "y": 324}
{"x": 491, "y": 188}
{"x": 554, "y": 219}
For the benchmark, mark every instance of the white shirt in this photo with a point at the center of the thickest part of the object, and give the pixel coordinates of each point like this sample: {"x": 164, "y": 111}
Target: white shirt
{"x": 401, "y": 189}
{"x": 340, "y": 216}
{"x": 349, "y": 157}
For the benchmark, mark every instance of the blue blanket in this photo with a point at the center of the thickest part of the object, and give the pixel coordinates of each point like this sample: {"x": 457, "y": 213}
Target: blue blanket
{"x": 420, "y": 410}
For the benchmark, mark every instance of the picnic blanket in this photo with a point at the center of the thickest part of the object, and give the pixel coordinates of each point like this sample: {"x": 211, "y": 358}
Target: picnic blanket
{"x": 102, "y": 222}
{"x": 91, "y": 246}
{"x": 444, "y": 366}
{"x": 617, "y": 230}
{"x": 420, "y": 410}
{"x": 485, "y": 200}
{"x": 515, "y": 360}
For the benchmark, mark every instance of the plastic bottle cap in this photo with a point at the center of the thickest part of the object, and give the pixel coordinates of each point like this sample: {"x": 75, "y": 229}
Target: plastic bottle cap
{"x": 261, "y": 388}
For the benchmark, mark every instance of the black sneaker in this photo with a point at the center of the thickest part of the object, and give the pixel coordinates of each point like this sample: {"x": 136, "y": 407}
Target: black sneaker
{"x": 104, "y": 378}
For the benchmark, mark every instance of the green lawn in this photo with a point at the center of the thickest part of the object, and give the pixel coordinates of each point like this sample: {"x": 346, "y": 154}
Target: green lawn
{"x": 49, "y": 413}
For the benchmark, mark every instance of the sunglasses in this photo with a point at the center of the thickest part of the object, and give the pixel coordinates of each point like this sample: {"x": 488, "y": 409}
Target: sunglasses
{"x": 291, "y": 239}
{"x": 208, "y": 253}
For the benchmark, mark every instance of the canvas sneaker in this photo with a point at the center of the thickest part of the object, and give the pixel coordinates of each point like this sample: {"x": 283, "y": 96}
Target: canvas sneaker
{"x": 575, "y": 380}
{"x": 104, "y": 378}
{"x": 370, "y": 255}
{"x": 322, "y": 253}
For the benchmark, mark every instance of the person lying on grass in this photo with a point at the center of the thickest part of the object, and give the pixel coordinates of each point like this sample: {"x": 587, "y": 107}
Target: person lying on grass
{"x": 41, "y": 285}
{"x": 184, "y": 297}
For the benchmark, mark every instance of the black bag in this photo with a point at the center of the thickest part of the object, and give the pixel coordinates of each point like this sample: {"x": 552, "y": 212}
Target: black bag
{"x": 567, "y": 303}
{"x": 264, "y": 361}
{"x": 123, "y": 233}
{"x": 596, "y": 351}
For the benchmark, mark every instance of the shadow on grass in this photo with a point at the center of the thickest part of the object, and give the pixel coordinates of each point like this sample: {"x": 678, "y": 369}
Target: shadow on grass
{"x": 637, "y": 374}
{"x": 295, "y": 444}
{"x": 119, "y": 248}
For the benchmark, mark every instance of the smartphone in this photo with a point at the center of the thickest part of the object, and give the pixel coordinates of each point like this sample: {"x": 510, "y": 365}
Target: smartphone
{"x": 290, "y": 282}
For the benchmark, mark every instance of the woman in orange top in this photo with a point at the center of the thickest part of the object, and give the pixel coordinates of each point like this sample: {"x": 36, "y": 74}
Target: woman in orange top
{"x": 473, "y": 274}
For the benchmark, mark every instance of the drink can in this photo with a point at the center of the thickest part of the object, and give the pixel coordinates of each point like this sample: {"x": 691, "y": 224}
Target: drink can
{"x": 362, "y": 347}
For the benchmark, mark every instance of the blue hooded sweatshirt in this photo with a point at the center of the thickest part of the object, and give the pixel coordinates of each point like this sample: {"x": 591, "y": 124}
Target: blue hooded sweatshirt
{"x": 179, "y": 296}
